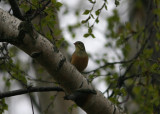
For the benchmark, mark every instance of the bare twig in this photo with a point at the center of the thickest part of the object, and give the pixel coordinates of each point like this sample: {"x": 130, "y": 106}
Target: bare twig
{"x": 29, "y": 89}
{"x": 108, "y": 64}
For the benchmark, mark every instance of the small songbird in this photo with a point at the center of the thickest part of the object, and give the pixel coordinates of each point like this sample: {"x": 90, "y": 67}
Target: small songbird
{"x": 80, "y": 56}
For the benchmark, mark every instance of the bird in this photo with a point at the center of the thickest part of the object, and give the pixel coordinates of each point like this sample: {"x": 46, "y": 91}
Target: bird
{"x": 79, "y": 57}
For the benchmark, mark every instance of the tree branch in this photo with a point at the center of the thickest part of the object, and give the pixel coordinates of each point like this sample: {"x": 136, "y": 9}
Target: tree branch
{"x": 108, "y": 63}
{"x": 16, "y": 11}
{"x": 29, "y": 90}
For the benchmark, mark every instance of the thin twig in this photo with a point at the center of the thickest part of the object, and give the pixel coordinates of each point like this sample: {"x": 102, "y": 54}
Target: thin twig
{"x": 29, "y": 89}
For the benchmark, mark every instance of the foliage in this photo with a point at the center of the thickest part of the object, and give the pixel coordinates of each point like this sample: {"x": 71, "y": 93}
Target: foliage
{"x": 3, "y": 106}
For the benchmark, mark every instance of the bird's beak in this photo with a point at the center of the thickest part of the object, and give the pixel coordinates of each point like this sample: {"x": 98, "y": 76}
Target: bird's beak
{"x": 75, "y": 43}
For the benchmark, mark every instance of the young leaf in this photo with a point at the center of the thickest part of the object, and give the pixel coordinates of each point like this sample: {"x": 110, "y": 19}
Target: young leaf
{"x": 97, "y": 20}
{"x": 92, "y": 35}
{"x": 86, "y": 35}
{"x": 58, "y": 5}
{"x": 86, "y": 12}
{"x": 97, "y": 12}
{"x": 90, "y": 30}
{"x": 116, "y": 3}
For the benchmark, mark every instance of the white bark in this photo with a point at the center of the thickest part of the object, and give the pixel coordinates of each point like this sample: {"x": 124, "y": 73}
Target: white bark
{"x": 52, "y": 60}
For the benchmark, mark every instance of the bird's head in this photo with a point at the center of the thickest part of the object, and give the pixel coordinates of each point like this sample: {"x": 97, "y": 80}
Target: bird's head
{"x": 79, "y": 46}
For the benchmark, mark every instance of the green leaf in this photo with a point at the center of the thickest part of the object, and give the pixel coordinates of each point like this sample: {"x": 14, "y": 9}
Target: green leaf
{"x": 97, "y": 12}
{"x": 85, "y": 21}
{"x": 53, "y": 1}
{"x": 25, "y": 7}
{"x": 86, "y": 35}
{"x": 86, "y": 12}
{"x": 52, "y": 97}
{"x": 128, "y": 25}
{"x": 116, "y": 3}
{"x": 97, "y": 20}
{"x": 156, "y": 11}
{"x": 90, "y": 30}
{"x": 154, "y": 67}
{"x": 58, "y": 5}
{"x": 72, "y": 107}
{"x": 106, "y": 7}
{"x": 73, "y": 35}
{"x": 92, "y": 35}
{"x": 3, "y": 106}
{"x": 93, "y": 2}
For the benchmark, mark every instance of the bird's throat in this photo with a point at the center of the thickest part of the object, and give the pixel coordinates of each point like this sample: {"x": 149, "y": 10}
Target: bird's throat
{"x": 81, "y": 53}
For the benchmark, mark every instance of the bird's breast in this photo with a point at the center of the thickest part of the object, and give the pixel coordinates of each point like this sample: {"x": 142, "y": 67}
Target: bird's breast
{"x": 80, "y": 62}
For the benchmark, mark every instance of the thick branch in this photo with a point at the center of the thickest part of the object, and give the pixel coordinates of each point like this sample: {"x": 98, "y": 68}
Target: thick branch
{"x": 55, "y": 63}
{"x": 15, "y": 9}
{"x": 29, "y": 90}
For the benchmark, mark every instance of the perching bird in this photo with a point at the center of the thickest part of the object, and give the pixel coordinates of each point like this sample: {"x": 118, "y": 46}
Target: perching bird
{"x": 80, "y": 56}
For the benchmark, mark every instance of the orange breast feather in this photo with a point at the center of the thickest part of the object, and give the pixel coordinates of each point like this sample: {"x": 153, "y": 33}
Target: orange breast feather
{"x": 80, "y": 62}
